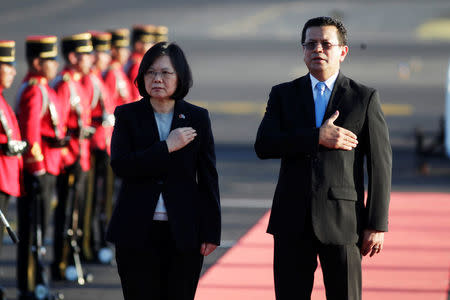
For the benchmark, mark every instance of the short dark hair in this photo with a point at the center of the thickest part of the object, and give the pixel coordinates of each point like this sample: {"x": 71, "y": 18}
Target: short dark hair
{"x": 179, "y": 62}
{"x": 327, "y": 21}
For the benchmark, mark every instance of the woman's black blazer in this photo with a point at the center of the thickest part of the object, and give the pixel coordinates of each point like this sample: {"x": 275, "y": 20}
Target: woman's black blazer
{"x": 187, "y": 178}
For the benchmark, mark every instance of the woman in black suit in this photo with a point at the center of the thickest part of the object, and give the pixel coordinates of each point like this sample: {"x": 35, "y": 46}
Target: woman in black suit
{"x": 167, "y": 215}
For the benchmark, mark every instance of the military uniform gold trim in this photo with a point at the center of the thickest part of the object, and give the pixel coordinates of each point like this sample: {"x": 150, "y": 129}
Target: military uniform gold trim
{"x": 43, "y": 40}
{"x": 79, "y": 36}
{"x": 7, "y": 51}
{"x": 66, "y": 77}
{"x": 52, "y": 53}
{"x": 103, "y": 47}
{"x": 86, "y": 49}
{"x": 144, "y": 33}
{"x": 79, "y": 43}
{"x": 162, "y": 38}
{"x": 101, "y": 41}
{"x": 77, "y": 76}
{"x": 121, "y": 43}
{"x": 48, "y": 54}
{"x": 42, "y": 46}
{"x": 161, "y": 34}
{"x": 7, "y": 44}
{"x": 162, "y": 30}
{"x": 7, "y": 59}
{"x": 34, "y": 81}
{"x": 120, "y": 37}
{"x": 147, "y": 38}
{"x": 37, "y": 153}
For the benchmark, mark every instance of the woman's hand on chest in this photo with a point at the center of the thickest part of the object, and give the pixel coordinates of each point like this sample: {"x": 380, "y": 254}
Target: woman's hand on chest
{"x": 180, "y": 137}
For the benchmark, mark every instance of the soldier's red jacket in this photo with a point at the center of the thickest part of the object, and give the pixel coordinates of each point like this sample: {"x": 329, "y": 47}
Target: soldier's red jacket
{"x": 132, "y": 69}
{"x": 11, "y": 167}
{"x": 118, "y": 84}
{"x": 77, "y": 117}
{"x": 40, "y": 115}
{"x": 102, "y": 110}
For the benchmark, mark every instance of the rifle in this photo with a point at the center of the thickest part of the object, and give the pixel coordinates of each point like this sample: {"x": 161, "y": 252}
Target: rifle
{"x": 73, "y": 236}
{"x": 11, "y": 233}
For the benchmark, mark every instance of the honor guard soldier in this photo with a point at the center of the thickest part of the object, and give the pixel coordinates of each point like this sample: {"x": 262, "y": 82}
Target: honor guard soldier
{"x": 71, "y": 183}
{"x": 11, "y": 144}
{"x": 142, "y": 39}
{"x": 40, "y": 115}
{"x": 100, "y": 185}
{"x": 115, "y": 79}
{"x": 101, "y": 41}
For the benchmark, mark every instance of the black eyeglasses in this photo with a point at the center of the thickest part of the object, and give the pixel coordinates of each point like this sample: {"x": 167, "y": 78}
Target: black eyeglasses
{"x": 324, "y": 45}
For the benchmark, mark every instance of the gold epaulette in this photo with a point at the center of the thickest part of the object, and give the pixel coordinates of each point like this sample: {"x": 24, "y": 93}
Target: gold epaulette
{"x": 76, "y": 76}
{"x": 66, "y": 77}
{"x": 33, "y": 81}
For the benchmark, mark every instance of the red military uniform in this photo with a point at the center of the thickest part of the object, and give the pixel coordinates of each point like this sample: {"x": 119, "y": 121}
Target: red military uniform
{"x": 11, "y": 145}
{"x": 102, "y": 111}
{"x": 76, "y": 106}
{"x": 115, "y": 79}
{"x": 41, "y": 120}
{"x": 101, "y": 181}
{"x": 39, "y": 116}
{"x": 72, "y": 182}
{"x": 11, "y": 167}
{"x": 118, "y": 85}
{"x": 132, "y": 69}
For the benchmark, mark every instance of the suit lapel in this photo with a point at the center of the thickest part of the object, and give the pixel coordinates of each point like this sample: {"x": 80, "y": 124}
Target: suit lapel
{"x": 148, "y": 121}
{"x": 181, "y": 116}
{"x": 335, "y": 98}
{"x": 306, "y": 101}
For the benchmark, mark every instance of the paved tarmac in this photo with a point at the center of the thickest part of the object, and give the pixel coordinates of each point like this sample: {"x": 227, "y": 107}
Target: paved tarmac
{"x": 237, "y": 51}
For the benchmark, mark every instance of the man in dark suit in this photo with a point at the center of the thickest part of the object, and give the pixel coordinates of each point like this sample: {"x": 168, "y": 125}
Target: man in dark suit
{"x": 322, "y": 126}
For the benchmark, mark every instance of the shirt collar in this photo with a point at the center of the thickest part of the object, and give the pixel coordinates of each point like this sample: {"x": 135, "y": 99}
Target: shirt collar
{"x": 329, "y": 82}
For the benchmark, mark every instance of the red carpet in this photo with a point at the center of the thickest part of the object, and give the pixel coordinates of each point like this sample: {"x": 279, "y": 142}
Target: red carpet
{"x": 413, "y": 265}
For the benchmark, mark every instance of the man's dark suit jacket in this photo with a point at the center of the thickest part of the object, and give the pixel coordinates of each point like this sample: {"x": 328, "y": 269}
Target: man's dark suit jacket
{"x": 321, "y": 185}
{"x": 187, "y": 178}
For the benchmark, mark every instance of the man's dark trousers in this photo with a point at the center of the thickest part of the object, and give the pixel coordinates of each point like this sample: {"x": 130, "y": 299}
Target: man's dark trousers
{"x": 295, "y": 260}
